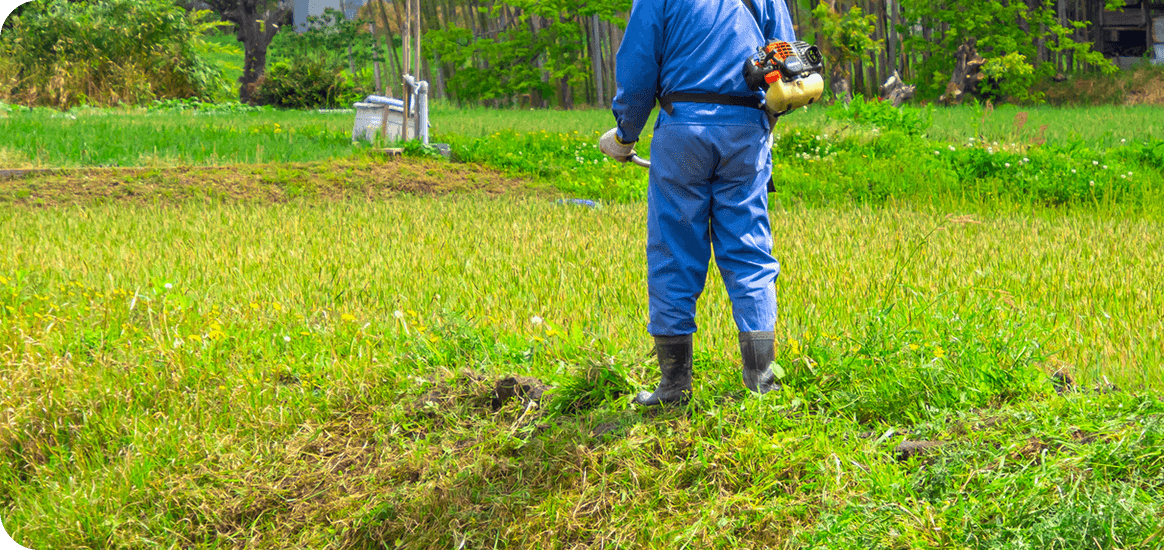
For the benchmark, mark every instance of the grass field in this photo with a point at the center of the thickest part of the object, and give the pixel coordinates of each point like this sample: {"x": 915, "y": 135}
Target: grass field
{"x": 136, "y": 137}
{"x": 311, "y": 355}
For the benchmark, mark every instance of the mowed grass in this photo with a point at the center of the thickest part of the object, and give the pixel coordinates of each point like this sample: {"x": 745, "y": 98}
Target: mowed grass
{"x": 318, "y": 374}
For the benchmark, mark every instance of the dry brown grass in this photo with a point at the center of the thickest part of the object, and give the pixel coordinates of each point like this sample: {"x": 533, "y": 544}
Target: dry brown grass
{"x": 369, "y": 178}
{"x": 1143, "y": 85}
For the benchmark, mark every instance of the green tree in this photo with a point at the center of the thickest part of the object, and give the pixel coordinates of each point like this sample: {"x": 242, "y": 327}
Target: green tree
{"x": 1008, "y": 33}
{"x": 543, "y": 43}
{"x": 255, "y": 23}
{"x": 845, "y": 37}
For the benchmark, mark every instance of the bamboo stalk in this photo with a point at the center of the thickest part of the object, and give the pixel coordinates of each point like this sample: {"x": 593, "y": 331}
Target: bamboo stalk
{"x": 406, "y": 34}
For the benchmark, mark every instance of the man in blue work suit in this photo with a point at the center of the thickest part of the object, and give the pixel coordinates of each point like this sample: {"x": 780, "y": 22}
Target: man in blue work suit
{"x": 711, "y": 161}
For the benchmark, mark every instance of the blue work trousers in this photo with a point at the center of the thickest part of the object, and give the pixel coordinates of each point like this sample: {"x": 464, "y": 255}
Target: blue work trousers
{"x": 708, "y": 190}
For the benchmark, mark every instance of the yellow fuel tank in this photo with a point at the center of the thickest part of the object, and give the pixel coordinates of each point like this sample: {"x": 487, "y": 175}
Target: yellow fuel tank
{"x": 787, "y": 95}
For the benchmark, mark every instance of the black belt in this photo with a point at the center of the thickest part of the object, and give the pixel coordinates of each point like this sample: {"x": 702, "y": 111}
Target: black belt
{"x": 718, "y": 99}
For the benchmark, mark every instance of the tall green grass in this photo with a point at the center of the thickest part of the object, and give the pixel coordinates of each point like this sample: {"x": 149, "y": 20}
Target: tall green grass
{"x": 169, "y": 137}
{"x": 1077, "y": 279}
{"x": 319, "y": 374}
{"x": 91, "y": 137}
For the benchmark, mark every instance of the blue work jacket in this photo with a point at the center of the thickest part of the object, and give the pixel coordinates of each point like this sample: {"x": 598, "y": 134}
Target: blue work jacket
{"x": 696, "y": 46}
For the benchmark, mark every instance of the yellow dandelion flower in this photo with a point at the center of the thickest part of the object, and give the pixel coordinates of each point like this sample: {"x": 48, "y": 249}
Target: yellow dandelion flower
{"x": 254, "y": 305}
{"x": 348, "y": 317}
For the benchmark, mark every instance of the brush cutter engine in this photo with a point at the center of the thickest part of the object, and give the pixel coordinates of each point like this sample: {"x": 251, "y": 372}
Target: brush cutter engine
{"x": 788, "y": 72}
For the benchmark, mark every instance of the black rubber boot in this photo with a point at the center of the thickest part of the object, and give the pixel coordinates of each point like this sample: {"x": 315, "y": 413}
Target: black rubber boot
{"x": 759, "y": 351}
{"x": 674, "y": 354}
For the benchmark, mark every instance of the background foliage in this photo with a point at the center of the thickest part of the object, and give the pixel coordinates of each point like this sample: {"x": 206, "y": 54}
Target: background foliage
{"x": 1007, "y": 34}
{"x": 61, "y": 53}
{"x": 542, "y": 43}
{"x": 308, "y": 68}
{"x": 512, "y": 52}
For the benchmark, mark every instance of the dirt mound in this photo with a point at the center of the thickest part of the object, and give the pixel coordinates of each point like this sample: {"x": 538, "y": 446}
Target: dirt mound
{"x": 341, "y": 179}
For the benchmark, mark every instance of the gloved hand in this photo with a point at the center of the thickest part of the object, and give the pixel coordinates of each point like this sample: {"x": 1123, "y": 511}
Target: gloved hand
{"x": 615, "y": 148}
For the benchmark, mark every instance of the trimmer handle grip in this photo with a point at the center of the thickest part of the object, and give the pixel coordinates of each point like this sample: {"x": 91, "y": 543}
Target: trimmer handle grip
{"x": 639, "y": 161}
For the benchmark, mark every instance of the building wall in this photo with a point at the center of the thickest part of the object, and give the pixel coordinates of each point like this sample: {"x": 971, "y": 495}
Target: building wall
{"x": 305, "y": 8}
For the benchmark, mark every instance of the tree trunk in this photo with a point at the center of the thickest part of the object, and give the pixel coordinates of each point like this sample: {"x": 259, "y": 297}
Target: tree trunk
{"x": 565, "y": 98}
{"x": 894, "y": 64}
{"x": 596, "y": 60}
{"x": 536, "y": 100}
{"x": 379, "y": 85}
{"x": 967, "y": 74}
{"x": 255, "y": 23}
{"x": 389, "y": 50}
{"x": 895, "y": 91}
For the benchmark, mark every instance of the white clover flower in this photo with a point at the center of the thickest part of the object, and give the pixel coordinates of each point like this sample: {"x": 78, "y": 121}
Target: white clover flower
{"x": 1026, "y": 160}
{"x": 398, "y": 314}
{"x": 1123, "y": 176}
{"x": 168, "y": 286}
{"x": 952, "y": 148}
{"x": 1095, "y": 163}
{"x": 1123, "y": 140}
{"x": 286, "y": 338}
{"x": 1072, "y": 170}
{"x": 1092, "y": 183}
{"x": 1105, "y": 167}
{"x": 937, "y": 153}
{"x": 1129, "y": 174}
{"x": 1007, "y": 165}
{"x": 535, "y": 320}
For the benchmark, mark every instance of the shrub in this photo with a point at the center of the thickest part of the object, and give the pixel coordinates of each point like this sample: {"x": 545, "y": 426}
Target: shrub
{"x": 61, "y": 53}
{"x": 311, "y": 69}
{"x": 303, "y": 83}
{"x": 907, "y": 120}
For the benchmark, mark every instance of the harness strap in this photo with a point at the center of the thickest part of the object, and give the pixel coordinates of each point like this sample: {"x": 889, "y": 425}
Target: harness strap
{"x": 718, "y": 99}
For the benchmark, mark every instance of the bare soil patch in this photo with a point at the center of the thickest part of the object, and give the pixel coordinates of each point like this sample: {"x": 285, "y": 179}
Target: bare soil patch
{"x": 368, "y": 178}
